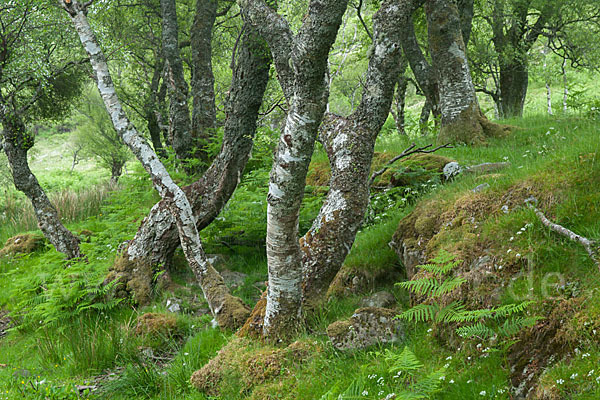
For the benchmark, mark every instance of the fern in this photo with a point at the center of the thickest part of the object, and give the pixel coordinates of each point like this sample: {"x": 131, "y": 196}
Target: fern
{"x": 403, "y": 362}
{"x": 482, "y": 323}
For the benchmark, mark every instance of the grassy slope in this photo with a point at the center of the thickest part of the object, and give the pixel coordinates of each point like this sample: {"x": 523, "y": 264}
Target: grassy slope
{"x": 83, "y": 347}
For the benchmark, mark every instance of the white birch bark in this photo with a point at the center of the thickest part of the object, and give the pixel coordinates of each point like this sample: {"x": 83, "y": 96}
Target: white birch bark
{"x": 213, "y": 286}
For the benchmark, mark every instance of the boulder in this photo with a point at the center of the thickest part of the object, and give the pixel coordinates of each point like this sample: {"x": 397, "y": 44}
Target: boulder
{"x": 233, "y": 279}
{"x": 367, "y": 327}
{"x": 380, "y": 299}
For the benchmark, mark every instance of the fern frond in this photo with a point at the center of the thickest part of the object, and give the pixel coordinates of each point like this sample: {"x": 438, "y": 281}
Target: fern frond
{"x": 404, "y": 362}
{"x": 439, "y": 269}
{"x": 448, "y": 313}
{"x": 430, "y": 385}
{"x": 448, "y": 286}
{"x": 476, "y": 330}
{"x": 420, "y": 313}
{"x": 422, "y": 286}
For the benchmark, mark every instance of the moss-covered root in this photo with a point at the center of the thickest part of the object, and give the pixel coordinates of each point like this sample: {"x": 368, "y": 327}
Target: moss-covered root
{"x": 472, "y": 127}
{"x": 253, "y": 327}
{"x": 134, "y": 280}
{"x": 22, "y": 244}
{"x": 233, "y": 314}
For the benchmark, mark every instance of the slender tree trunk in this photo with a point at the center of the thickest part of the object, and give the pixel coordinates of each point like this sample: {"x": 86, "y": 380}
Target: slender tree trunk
{"x": 157, "y": 237}
{"x": 424, "y": 117}
{"x": 424, "y": 73}
{"x": 226, "y": 309}
{"x": 565, "y": 85}
{"x": 547, "y": 76}
{"x": 466, "y": 12}
{"x": 151, "y": 109}
{"x": 180, "y": 133}
{"x": 462, "y": 120}
{"x": 204, "y": 117}
{"x": 16, "y": 143}
{"x": 400, "y": 115}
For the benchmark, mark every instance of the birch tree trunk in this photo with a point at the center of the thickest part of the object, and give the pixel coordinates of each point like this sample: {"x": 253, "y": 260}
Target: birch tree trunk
{"x": 303, "y": 77}
{"x": 462, "y": 120}
{"x": 227, "y": 310}
{"x": 16, "y": 143}
{"x": 349, "y": 143}
{"x": 157, "y": 237}
{"x": 204, "y": 115}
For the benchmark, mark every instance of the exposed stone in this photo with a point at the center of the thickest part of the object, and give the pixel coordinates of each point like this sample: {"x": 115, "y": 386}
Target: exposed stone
{"x": 481, "y": 188}
{"x": 381, "y": 299}
{"x": 451, "y": 170}
{"x": 368, "y": 326}
{"x": 233, "y": 279}
{"x": 173, "y": 305}
{"x": 217, "y": 260}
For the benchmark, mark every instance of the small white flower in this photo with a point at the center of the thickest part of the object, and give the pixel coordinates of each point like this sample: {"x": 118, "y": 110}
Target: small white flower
{"x": 365, "y": 393}
{"x": 584, "y": 355}
{"x": 446, "y": 365}
{"x": 442, "y": 378}
{"x": 449, "y": 358}
{"x": 429, "y": 330}
{"x": 470, "y": 380}
{"x": 482, "y": 393}
{"x": 575, "y": 375}
{"x": 590, "y": 373}
{"x": 560, "y": 381}
{"x": 451, "y": 381}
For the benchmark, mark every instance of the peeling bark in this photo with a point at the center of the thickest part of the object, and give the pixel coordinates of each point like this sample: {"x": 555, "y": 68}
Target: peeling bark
{"x": 16, "y": 143}
{"x": 462, "y": 120}
{"x": 349, "y": 143}
{"x": 221, "y": 303}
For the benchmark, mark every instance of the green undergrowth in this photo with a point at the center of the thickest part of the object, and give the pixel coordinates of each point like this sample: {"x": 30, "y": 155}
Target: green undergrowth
{"x": 71, "y": 332}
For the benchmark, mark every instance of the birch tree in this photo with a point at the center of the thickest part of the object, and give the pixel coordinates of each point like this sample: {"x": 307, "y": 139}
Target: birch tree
{"x": 157, "y": 237}
{"x": 301, "y": 63}
{"x": 38, "y": 80}
{"x": 227, "y": 310}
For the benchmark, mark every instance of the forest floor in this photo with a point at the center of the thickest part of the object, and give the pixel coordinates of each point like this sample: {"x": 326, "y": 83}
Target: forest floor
{"x": 72, "y": 340}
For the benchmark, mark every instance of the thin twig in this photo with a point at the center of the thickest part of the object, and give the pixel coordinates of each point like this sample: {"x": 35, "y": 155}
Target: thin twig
{"x": 362, "y": 21}
{"x": 591, "y": 246}
{"x": 407, "y": 152}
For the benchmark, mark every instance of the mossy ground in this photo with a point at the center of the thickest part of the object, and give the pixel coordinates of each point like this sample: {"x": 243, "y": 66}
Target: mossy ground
{"x": 552, "y": 158}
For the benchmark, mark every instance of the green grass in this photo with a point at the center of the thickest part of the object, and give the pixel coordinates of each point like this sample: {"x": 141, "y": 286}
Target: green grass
{"x": 85, "y": 344}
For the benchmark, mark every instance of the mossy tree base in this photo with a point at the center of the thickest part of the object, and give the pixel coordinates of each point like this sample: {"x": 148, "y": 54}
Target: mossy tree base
{"x": 472, "y": 127}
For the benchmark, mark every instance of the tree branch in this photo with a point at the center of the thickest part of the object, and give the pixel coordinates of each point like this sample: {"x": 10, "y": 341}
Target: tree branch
{"x": 591, "y": 246}
{"x": 405, "y": 153}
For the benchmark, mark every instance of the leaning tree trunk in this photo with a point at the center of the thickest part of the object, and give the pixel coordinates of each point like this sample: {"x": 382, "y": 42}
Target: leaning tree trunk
{"x": 301, "y": 68}
{"x": 16, "y": 143}
{"x": 157, "y": 237}
{"x": 349, "y": 143}
{"x": 227, "y": 310}
{"x": 401, "y": 88}
{"x": 462, "y": 119}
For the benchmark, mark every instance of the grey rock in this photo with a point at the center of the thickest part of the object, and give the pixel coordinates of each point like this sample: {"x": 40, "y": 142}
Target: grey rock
{"x": 451, "y": 170}
{"x": 481, "y": 188}
{"x": 173, "y": 306}
{"x": 367, "y": 327}
{"x": 381, "y": 299}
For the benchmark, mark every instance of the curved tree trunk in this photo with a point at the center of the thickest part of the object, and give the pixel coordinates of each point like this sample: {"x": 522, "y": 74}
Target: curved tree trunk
{"x": 349, "y": 143}
{"x": 157, "y": 237}
{"x": 462, "y": 120}
{"x": 228, "y": 311}
{"x": 16, "y": 143}
{"x": 301, "y": 63}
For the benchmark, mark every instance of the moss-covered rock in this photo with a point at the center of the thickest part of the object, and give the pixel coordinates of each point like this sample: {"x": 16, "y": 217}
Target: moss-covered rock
{"x": 367, "y": 326}
{"x": 155, "y": 324}
{"x": 242, "y": 363}
{"x": 23, "y": 244}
